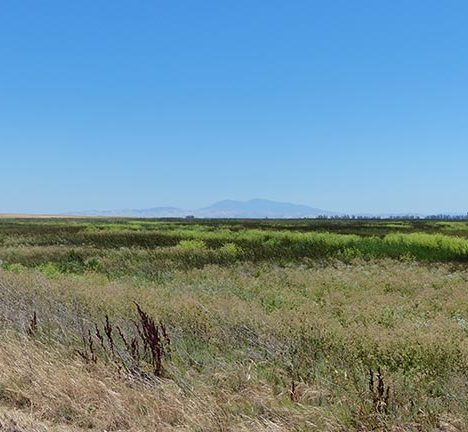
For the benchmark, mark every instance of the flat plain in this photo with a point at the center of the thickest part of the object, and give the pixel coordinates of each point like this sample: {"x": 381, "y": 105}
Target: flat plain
{"x": 233, "y": 325}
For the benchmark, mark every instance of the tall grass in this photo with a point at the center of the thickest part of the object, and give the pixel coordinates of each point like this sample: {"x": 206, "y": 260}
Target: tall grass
{"x": 231, "y": 328}
{"x": 295, "y": 343}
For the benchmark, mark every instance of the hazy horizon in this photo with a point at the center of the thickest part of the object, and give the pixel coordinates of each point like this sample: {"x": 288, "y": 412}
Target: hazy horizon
{"x": 210, "y": 209}
{"x": 356, "y": 107}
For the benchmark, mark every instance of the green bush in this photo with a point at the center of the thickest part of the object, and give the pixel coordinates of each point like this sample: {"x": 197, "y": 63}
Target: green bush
{"x": 50, "y": 270}
{"x": 231, "y": 250}
{"x": 192, "y": 245}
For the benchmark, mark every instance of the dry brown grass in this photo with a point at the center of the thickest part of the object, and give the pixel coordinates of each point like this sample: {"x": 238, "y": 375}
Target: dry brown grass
{"x": 71, "y": 394}
{"x": 254, "y": 348}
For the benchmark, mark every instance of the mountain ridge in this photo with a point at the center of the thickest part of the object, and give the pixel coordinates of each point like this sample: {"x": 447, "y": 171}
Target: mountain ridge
{"x": 250, "y": 209}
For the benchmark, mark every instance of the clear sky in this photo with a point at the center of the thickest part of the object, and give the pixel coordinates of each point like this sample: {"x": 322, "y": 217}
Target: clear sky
{"x": 358, "y": 106}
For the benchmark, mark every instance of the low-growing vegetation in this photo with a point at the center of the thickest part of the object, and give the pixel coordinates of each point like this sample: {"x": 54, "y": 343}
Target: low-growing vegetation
{"x": 133, "y": 325}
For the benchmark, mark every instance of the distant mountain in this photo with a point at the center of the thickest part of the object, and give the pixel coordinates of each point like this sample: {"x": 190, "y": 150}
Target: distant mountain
{"x": 155, "y": 212}
{"x": 260, "y": 208}
{"x": 255, "y": 208}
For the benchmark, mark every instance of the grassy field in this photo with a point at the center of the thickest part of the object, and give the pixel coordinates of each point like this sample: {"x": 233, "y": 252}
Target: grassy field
{"x": 261, "y": 325}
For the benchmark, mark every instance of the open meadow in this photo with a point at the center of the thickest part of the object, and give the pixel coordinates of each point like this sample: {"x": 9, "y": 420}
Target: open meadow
{"x": 233, "y": 325}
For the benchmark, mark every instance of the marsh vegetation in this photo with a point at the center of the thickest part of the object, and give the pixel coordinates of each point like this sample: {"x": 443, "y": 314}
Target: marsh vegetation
{"x": 262, "y": 325}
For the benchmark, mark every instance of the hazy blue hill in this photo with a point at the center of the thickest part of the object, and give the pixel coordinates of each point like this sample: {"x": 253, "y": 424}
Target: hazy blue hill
{"x": 255, "y": 208}
{"x": 260, "y": 208}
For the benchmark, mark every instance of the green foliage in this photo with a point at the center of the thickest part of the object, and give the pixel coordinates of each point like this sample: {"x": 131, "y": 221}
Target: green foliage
{"x": 148, "y": 248}
{"x": 231, "y": 251}
{"x": 49, "y": 269}
{"x": 14, "y": 267}
{"x": 192, "y": 245}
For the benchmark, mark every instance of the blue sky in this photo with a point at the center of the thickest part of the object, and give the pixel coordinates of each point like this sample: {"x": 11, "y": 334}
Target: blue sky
{"x": 358, "y": 106}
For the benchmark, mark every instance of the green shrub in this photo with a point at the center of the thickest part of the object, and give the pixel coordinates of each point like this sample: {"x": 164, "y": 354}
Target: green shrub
{"x": 231, "y": 250}
{"x": 14, "y": 267}
{"x": 192, "y": 245}
{"x": 50, "y": 270}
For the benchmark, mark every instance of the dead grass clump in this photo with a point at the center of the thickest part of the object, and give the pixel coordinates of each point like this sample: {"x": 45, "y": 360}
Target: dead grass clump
{"x": 53, "y": 388}
{"x": 379, "y": 391}
{"x": 148, "y": 344}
